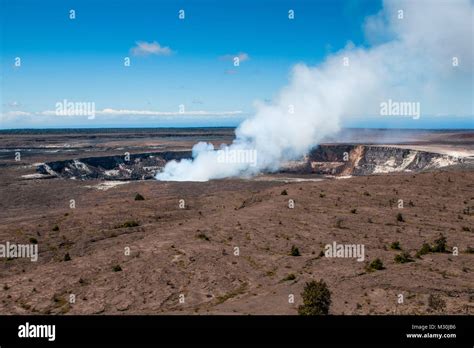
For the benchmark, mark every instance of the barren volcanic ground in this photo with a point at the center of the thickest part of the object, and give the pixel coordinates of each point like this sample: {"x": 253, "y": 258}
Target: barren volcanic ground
{"x": 190, "y": 253}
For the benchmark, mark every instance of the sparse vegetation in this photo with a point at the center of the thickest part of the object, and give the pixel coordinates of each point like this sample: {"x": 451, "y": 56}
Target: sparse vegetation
{"x": 400, "y": 217}
{"x": 60, "y": 302}
{"x": 290, "y": 276}
{"x": 55, "y": 228}
{"x": 316, "y": 299}
{"x": 425, "y": 249}
{"x": 270, "y": 273}
{"x": 466, "y": 229}
{"x": 67, "y": 257}
{"x": 322, "y": 195}
{"x": 439, "y": 244}
{"x": 354, "y": 211}
{"x": 375, "y": 265}
{"x": 284, "y": 193}
{"x": 33, "y": 240}
{"x": 139, "y": 197}
{"x": 240, "y": 290}
{"x": 203, "y": 236}
{"x": 395, "y": 246}
{"x": 404, "y": 257}
{"x": 117, "y": 268}
{"x": 339, "y": 222}
{"x": 295, "y": 251}
{"x": 470, "y": 250}
{"x": 436, "y": 303}
{"x": 128, "y": 224}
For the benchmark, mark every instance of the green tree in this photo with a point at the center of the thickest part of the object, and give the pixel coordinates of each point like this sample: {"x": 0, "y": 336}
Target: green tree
{"x": 316, "y": 299}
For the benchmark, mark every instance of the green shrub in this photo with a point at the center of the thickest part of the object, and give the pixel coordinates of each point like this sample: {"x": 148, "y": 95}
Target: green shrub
{"x": 395, "y": 246}
{"x": 354, "y": 211}
{"x": 295, "y": 251}
{"x": 127, "y": 224}
{"x": 375, "y": 265}
{"x": 404, "y": 257}
{"x": 117, "y": 268}
{"x": 425, "y": 249}
{"x": 400, "y": 217}
{"x": 203, "y": 236}
{"x": 67, "y": 257}
{"x": 439, "y": 244}
{"x": 139, "y": 197}
{"x": 56, "y": 228}
{"x": 33, "y": 240}
{"x": 316, "y": 299}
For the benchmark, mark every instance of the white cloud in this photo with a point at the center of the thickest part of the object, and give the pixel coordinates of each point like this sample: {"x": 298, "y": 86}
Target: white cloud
{"x": 113, "y": 117}
{"x": 241, "y": 55}
{"x": 130, "y": 112}
{"x": 17, "y": 113}
{"x": 116, "y": 112}
{"x": 144, "y": 48}
{"x": 14, "y": 104}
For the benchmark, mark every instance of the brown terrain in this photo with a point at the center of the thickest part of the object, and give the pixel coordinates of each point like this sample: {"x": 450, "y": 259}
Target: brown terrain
{"x": 188, "y": 253}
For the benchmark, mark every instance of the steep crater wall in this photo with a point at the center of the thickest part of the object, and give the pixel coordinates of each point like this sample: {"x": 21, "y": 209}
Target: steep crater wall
{"x": 141, "y": 166}
{"x": 374, "y": 159}
{"x": 333, "y": 160}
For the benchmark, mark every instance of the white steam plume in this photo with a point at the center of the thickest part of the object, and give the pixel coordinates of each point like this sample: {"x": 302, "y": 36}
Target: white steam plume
{"x": 411, "y": 60}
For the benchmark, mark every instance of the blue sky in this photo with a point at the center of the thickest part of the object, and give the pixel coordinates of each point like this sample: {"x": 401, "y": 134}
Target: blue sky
{"x": 82, "y": 60}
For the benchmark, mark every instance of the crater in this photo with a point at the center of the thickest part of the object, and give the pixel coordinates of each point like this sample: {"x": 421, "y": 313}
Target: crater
{"x": 330, "y": 160}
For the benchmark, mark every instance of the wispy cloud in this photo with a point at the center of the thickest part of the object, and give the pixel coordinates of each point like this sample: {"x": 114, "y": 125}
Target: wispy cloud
{"x": 241, "y": 55}
{"x": 18, "y": 113}
{"x": 14, "y": 104}
{"x": 143, "y": 48}
{"x": 117, "y": 112}
{"x": 130, "y": 112}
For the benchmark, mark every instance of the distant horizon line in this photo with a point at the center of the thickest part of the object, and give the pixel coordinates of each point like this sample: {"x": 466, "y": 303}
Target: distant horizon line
{"x": 220, "y": 127}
